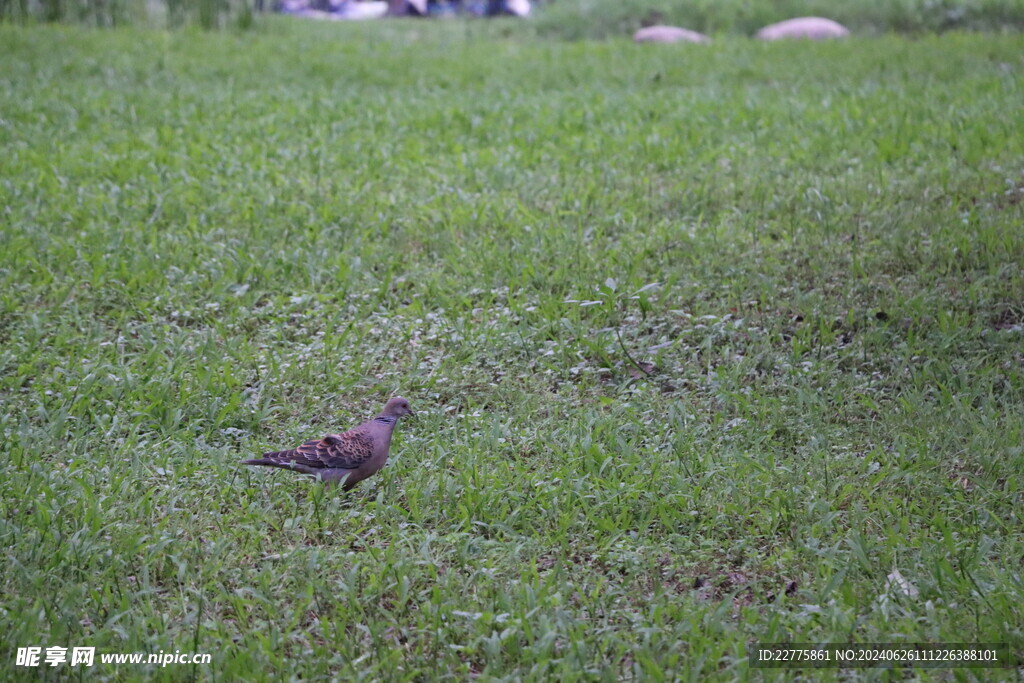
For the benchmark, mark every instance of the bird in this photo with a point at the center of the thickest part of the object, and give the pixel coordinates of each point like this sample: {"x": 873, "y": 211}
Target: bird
{"x": 347, "y": 458}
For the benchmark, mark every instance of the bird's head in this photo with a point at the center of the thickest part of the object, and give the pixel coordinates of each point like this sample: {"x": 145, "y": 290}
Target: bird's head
{"x": 397, "y": 407}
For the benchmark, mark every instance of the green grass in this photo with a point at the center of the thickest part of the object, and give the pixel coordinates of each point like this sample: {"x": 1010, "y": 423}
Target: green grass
{"x": 215, "y": 245}
{"x": 205, "y": 14}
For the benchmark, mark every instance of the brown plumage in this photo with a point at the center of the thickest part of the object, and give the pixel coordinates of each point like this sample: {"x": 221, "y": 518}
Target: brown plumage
{"x": 349, "y": 457}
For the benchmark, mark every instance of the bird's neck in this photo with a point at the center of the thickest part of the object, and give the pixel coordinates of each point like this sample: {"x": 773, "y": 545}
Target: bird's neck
{"x": 386, "y": 419}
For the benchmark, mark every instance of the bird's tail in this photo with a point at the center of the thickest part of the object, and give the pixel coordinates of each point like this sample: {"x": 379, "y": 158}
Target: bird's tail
{"x": 273, "y": 459}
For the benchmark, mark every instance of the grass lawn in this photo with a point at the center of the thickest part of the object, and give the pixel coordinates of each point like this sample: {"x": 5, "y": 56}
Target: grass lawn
{"x": 705, "y": 343}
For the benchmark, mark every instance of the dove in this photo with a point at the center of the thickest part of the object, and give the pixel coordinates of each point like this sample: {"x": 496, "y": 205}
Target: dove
{"x": 349, "y": 457}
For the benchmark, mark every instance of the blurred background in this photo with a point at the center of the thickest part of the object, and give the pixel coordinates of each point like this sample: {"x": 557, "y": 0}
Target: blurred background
{"x": 566, "y": 19}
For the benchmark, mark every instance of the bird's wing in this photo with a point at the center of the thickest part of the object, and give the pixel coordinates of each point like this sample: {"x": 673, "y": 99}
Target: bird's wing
{"x": 335, "y": 451}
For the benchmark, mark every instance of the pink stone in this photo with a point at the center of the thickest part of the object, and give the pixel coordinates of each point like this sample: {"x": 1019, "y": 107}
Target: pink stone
{"x": 811, "y": 28}
{"x": 669, "y": 34}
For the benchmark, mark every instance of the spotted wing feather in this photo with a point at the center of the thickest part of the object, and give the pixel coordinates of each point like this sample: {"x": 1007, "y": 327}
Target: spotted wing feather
{"x": 336, "y": 451}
